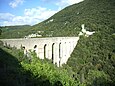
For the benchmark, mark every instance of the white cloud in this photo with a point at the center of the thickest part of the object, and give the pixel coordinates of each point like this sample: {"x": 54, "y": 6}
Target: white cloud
{"x": 31, "y": 17}
{"x": 15, "y": 3}
{"x": 39, "y": 12}
{"x": 6, "y": 16}
{"x": 64, "y": 3}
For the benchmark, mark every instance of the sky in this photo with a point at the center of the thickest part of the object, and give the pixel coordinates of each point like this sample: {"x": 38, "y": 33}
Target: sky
{"x": 30, "y": 12}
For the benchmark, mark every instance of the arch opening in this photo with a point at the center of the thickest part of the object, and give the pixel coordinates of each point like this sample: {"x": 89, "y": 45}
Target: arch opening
{"x": 35, "y": 49}
{"x": 53, "y": 52}
{"x": 35, "y": 46}
{"x": 59, "y": 52}
{"x": 45, "y": 51}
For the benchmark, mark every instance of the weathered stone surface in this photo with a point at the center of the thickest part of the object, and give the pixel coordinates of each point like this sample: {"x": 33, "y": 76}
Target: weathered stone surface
{"x": 57, "y": 49}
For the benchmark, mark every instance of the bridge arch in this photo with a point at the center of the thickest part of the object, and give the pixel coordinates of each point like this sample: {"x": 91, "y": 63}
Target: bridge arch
{"x": 53, "y": 52}
{"x": 58, "y": 49}
{"x": 45, "y": 51}
{"x": 60, "y": 52}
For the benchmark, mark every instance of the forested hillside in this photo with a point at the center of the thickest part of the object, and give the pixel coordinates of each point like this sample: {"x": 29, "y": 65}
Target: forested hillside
{"x": 15, "y": 31}
{"x": 97, "y": 15}
{"x": 93, "y": 59}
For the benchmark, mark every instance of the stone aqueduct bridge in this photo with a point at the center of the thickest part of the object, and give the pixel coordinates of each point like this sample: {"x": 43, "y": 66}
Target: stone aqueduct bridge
{"x": 58, "y": 49}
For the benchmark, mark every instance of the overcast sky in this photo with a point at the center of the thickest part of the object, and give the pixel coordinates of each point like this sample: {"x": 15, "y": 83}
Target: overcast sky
{"x": 30, "y": 12}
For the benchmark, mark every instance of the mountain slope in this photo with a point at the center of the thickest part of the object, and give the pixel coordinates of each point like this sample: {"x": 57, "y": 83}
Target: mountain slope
{"x": 15, "y": 31}
{"x": 94, "y": 14}
{"x": 93, "y": 59}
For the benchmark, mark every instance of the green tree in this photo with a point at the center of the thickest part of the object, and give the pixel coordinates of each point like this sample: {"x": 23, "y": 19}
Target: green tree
{"x": 98, "y": 78}
{"x": 0, "y": 31}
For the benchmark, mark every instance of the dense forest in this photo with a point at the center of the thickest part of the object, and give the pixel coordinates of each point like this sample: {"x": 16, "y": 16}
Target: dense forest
{"x": 92, "y": 62}
{"x": 14, "y": 31}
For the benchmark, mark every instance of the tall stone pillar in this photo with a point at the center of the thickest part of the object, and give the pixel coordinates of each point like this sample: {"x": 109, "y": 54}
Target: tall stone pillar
{"x": 67, "y": 51}
{"x": 41, "y": 52}
{"x": 63, "y": 54}
{"x": 49, "y": 51}
{"x": 56, "y": 54}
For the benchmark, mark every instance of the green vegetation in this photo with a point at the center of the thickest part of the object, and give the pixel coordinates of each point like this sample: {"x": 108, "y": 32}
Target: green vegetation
{"x": 15, "y": 31}
{"x": 97, "y": 15}
{"x": 0, "y": 31}
{"x": 93, "y": 60}
{"x": 18, "y": 70}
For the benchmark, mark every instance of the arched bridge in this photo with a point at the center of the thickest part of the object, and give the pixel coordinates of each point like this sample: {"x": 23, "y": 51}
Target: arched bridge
{"x": 58, "y": 49}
